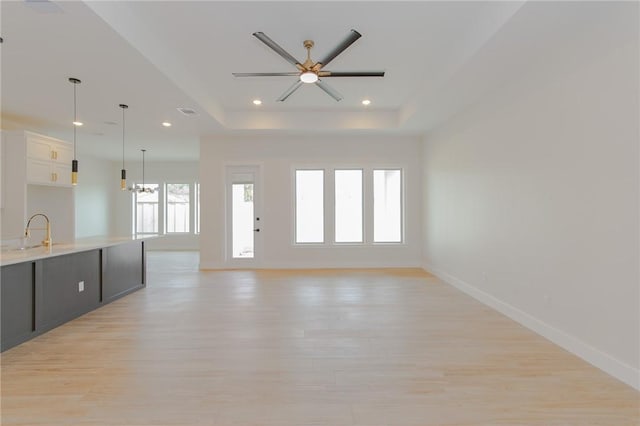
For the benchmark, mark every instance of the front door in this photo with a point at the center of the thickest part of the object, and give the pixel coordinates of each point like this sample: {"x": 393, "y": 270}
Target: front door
{"x": 243, "y": 216}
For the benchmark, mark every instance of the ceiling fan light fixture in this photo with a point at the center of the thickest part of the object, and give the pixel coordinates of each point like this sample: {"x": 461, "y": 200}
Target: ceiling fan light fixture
{"x": 310, "y": 71}
{"x": 308, "y": 77}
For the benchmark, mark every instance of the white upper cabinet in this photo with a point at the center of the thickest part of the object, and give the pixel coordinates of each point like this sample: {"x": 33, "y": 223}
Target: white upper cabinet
{"x": 36, "y": 172}
{"x": 48, "y": 160}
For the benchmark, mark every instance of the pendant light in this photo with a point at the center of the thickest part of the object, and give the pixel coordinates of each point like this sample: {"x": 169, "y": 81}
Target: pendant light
{"x": 123, "y": 172}
{"x": 76, "y": 123}
{"x": 142, "y": 189}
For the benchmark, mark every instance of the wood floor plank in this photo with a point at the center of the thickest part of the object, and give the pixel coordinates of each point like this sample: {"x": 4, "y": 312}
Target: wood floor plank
{"x": 301, "y": 347}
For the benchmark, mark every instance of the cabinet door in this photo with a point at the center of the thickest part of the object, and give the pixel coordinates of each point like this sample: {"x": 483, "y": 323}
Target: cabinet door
{"x": 62, "y": 153}
{"x": 17, "y": 310}
{"x": 69, "y": 287}
{"x": 2, "y": 169}
{"x": 39, "y": 172}
{"x": 39, "y": 149}
{"x": 122, "y": 270}
{"x": 62, "y": 174}
{"x": 48, "y": 161}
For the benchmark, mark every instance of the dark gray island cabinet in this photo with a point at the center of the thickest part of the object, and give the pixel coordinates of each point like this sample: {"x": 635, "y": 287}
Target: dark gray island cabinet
{"x": 40, "y": 294}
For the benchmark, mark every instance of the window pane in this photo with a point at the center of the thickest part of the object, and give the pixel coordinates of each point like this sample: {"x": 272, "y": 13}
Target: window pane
{"x": 147, "y": 210}
{"x": 148, "y": 197}
{"x": 197, "y": 201}
{"x": 348, "y": 206}
{"x": 309, "y": 206}
{"x": 178, "y": 207}
{"x": 242, "y": 220}
{"x": 387, "y": 206}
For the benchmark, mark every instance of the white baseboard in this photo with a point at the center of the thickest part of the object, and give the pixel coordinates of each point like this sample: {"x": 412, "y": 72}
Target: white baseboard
{"x": 599, "y": 359}
{"x": 311, "y": 265}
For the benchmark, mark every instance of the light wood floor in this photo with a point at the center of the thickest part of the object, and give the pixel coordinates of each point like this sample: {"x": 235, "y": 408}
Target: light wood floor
{"x": 335, "y": 348}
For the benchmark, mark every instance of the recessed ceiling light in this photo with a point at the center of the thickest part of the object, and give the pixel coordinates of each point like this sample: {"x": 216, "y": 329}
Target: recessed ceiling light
{"x": 166, "y": 124}
{"x": 78, "y": 123}
{"x": 366, "y": 102}
{"x": 257, "y": 102}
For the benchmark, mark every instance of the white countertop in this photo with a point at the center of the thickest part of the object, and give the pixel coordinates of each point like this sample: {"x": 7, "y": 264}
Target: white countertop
{"x": 12, "y": 256}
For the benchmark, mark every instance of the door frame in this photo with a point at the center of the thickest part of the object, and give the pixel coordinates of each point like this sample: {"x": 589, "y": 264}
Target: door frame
{"x": 256, "y": 171}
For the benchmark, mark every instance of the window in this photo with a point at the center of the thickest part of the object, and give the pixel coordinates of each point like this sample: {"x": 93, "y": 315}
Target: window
{"x": 387, "y": 206}
{"x": 309, "y": 206}
{"x": 168, "y": 210}
{"x": 146, "y": 205}
{"x": 366, "y": 203}
{"x": 196, "y": 200}
{"x": 177, "y": 196}
{"x": 348, "y": 206}
{"x": 242, "y": 215}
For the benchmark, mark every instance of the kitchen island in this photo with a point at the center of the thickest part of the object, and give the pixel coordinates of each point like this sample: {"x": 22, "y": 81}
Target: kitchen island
{"x": 42, "y": 287}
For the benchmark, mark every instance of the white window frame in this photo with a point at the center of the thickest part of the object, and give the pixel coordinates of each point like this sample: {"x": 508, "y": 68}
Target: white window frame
{"x": 196, "y": 208}
{"x": 367, "y": 200}
{"x": 166, "y": 206}
{"x": 294, "y": 223}
{"x": 362, "y": 206}
{"x": 403, "y": 221}
{"x": 160, "y": 218}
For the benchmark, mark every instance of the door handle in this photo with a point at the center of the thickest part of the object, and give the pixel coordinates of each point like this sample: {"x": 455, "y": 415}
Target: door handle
{"x": 257, "y": 230}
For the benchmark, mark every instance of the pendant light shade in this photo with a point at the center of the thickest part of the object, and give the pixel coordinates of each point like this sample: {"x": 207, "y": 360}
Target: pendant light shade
{"x": 123, "y": 172}
{"x": 76, "y": 123}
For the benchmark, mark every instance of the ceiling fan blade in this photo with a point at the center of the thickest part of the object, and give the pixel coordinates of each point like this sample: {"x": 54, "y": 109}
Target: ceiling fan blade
{"x": 351, "y": 73}
{"x": 329, "y": 90}
{"x": 289, "y": 91}
{"x": 351, "y": 38}
{"x": 276, "y": 47}
{"x": 265, "y": 74}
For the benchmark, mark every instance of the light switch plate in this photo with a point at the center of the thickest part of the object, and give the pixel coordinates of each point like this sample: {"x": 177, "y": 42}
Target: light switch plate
{"x": 81, "y": 286}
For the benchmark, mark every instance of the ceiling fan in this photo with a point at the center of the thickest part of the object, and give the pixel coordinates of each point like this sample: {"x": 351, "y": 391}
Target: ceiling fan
{"x": 309, "y": 71}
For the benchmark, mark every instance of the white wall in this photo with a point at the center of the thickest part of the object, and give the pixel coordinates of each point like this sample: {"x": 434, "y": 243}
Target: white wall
{"x": 93, "y": 197}
{"x": 278, "y": 156}
{"x": 57, "y": 204}
{"x": 532, "y": 201}
{"x": 14, "y": 200}
{"x": 155, "y": 172}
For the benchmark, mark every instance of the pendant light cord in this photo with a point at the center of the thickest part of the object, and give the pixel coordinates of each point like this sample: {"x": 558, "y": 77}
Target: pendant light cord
{"x": 123, "y": 172}
{"x": 122, "y": 137}
{"x": 75, "y": 119}
{"x": 143, "y": 168}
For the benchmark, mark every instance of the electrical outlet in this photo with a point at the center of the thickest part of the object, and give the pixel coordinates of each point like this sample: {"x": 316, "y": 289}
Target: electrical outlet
{"x": 81, "y": 286}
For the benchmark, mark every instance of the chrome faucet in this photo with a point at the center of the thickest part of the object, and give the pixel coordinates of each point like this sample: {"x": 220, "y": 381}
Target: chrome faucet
{"x": 47, "y": 239}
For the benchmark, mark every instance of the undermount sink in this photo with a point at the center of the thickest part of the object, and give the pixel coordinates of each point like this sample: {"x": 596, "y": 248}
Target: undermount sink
{"x": 23, "y": 248}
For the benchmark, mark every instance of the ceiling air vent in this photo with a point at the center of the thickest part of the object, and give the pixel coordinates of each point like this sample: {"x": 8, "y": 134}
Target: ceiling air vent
{"x": 188, "y": 111}
{"x": 43, "y": 6}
